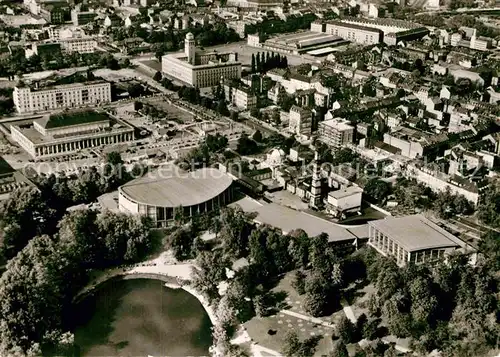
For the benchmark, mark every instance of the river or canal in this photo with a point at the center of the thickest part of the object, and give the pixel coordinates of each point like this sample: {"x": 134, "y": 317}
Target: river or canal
{"x": 140, "y": 317}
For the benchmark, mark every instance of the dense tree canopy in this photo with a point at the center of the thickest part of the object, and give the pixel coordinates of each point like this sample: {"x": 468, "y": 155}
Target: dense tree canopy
{"x": 39, "y": 284}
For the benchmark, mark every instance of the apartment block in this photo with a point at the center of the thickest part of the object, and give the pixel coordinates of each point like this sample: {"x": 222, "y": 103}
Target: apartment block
{"x": 300, "y": 121}
{"x": 336, "y": 132}
{"x": 27, "y": 99}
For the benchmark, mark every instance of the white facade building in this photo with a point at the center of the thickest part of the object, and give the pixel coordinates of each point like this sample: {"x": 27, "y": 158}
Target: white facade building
{"x": 346, "y": 200}
{"x": 74, "y": 95}
{"x": 336, "y": 132}
{"x": 201, "y": 69}
{"x": 300, "y": 121}
{"x": 355, "y": 33}
{"x": 80, "y": 45}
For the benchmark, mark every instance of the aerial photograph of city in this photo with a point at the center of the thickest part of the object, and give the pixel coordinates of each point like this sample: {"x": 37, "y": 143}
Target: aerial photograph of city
{"x": 260, "y": 178}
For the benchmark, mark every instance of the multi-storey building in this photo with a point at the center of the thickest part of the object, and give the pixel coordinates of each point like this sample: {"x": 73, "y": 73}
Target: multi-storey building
{"x": 69, "y": 132}
{"x": 336, "y": 132}
{"x": 54, "y": 12}
{"x": 355, "y": 33}
{"x": 74, "y": 95}
{"x": 80, "y": 18}
{"x": 201, "y": 69}
{"x": 80, "y": 45}
{"x": 240, "y": 96}
{"x": 300, "y": 121}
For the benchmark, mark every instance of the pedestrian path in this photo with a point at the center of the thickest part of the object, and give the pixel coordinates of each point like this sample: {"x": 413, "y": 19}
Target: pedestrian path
{"x": 308, "y": 318}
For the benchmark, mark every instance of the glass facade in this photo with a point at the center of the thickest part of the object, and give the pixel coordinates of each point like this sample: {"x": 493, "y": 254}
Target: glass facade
{"x": 390, "y": 247}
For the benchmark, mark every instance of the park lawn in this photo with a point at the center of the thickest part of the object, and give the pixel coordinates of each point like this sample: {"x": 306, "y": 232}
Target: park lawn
{"x": 258, "y": 327}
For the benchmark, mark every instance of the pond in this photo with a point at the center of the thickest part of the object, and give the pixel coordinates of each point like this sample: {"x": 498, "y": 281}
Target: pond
{"x": 140, "y": 317}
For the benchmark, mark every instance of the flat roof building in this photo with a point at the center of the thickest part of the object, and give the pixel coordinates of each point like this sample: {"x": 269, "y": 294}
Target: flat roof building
{"x": 336, "y": 132}
{"x": 29, "y": 100}
{"x": 69, "y": 132}
{"x": 201, "y": 69}
{"x": 164, "y": 194}
{"x": 11, "y": 179}
{"x": 411, "y": 239}
{"x": 355, "y": 33}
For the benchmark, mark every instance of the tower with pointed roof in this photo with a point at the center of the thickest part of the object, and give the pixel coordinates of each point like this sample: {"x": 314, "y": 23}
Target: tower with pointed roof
{"x": 315, "y": 198}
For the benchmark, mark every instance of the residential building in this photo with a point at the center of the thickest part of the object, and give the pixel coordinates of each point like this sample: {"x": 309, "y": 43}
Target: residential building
{"x": 393, "y": 38}
{"x": 240, "y": 96}
{"x": 29, "y": 100}
{"x": 80, "y": 18}
{"x": 336, "y": 132}
{"x": 68, "y": 132}
{"x": 54, "y": 12}
{"x": 412, "y": 239}
{"x": 80, "y": 45}
{"x": 112, "y": 20}
{"x": 300, "y": 121}
{"x": 414, "y": 143}
{"x": 201, "y": 69}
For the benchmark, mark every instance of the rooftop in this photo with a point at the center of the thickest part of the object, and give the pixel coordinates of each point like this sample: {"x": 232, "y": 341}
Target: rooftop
{"x": 288, "y": 219}
{"x": 346, "y": 192}
{"x": 170, "y": 187}
{"x": 5, "y": 167}
{"x": 66, "y": 86}
{"x": 415, "y": 233}
{"x": 72, "y": 118}
{"x": 337, "y": 123}
{"x": 354, "y": 26}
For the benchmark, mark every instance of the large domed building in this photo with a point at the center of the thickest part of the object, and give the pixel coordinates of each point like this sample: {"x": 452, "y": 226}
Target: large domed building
{"x": 166, "y": 193}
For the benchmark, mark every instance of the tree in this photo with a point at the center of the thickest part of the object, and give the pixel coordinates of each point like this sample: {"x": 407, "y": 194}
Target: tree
{"x": 255, "y": 112}
{"x": 395, "y": 313}
{"x": 291, "y": 344}
{"x": 377, "y": 190}
{"x": 293, "y": 347}
{"x": 234, "y": 115}
{"x": 258, "y": 62}
{"x": 246, "y": 146}
{"x": 234, "y": 232}
{"x": 299, "y": 282}
{"x": 316, "y": 300}
{"x": 490, "y": 246}
{"x": 346, "y": 330}
{"x": 339, "y": 349}
{"x": 222, "y": 108}
{"x": 158, "y": 76}
{"x": 257, "y": 136}
{"x": 114, "y": 172}
{"x": 490, "y": 206}
{"x": 135, "y": 90}
{"x": 25, "y": 214}
{"x": 253, "y": 63}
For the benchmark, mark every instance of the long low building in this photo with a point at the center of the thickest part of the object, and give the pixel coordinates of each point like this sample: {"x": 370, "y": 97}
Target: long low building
{"x": 355, "y": 33}
{"x": 301, "y": 42}
{"x": 29, "y": 100}
{"x": 412, "y": 239}
{"x": 167, "y": 193}
{"x": 68, "y": 132}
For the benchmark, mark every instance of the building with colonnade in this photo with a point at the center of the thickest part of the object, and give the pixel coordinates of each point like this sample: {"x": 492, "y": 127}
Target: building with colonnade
{"x": 68, "y": 132}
